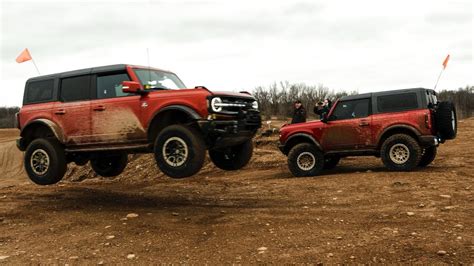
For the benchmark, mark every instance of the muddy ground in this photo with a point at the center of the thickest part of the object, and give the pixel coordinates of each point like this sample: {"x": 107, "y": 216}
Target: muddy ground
{"x": 357, "y": 213}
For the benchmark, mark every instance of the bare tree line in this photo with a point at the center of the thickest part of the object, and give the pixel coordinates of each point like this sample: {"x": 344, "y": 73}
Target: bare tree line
{"x": 277, "y": 100}
{"x": 7, "y": 116}
{"x": 463, "y": 99}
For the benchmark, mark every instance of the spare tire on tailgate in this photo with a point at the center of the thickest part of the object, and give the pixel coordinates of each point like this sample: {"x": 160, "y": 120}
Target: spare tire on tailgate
{"x": 446, "y": 121}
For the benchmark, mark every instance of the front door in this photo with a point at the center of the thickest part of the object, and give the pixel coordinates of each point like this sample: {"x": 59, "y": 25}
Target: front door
{"x": 348, "y": 127}
{"x": 115, "y": 114}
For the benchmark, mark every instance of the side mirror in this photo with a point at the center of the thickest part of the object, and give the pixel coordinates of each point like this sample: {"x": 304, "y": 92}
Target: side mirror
{"x": 131, "y": 87}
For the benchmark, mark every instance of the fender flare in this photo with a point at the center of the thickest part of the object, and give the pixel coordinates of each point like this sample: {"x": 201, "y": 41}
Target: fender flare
{"x": 305, "y": 135}
{"x": 58, "y": 133}
{"x": 399, "y": 126}
{"x": 176, "y": 107}
{"x": 193, "y": 114}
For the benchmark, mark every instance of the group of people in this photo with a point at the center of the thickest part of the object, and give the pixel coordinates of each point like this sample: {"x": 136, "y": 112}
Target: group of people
{"x": 320, "y": 108}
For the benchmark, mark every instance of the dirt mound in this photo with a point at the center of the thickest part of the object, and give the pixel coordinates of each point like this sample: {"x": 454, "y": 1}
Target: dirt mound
{"x": 11, "y": 159}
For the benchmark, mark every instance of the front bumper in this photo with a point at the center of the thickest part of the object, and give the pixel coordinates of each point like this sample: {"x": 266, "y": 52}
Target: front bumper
{"x": 224, "y": 133}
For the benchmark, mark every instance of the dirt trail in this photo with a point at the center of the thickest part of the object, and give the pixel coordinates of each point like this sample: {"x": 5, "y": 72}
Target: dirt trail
{"x": 356, "y": 213}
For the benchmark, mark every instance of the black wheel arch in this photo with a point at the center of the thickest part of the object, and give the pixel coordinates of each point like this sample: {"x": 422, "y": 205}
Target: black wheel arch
{"x": 169, "y": 115}
{"x": 41, "y": 128}
{"x": 398, "y": 129}
{"x": 298, "y": 138}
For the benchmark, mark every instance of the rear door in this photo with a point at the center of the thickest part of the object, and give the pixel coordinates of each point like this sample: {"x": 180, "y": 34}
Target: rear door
{"x": 72, "y": 112}
{"x": 115, "y": 114}
{"x": 348, "y": 127}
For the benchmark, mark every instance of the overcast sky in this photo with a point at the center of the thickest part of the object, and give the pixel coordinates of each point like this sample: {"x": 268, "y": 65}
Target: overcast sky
{"x": 238, "y": 45}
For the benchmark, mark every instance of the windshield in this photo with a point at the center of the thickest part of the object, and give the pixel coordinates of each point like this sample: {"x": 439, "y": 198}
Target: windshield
{"x": 159, "y": 80}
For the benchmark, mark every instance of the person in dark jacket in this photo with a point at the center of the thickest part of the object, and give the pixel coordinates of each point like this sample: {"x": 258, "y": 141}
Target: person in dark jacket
{"x": 322, "y": 108}
{"x": 299, "y": 114}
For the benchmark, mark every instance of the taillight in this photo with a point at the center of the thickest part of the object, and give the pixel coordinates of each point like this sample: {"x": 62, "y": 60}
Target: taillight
{"x": 428, "y": 120}
{"x": 17, "y": 120}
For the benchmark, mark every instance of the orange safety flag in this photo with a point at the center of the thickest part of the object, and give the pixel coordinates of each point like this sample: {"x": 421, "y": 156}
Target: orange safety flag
{"x": 445, "y": 62}
{"x": 24, "y": 56}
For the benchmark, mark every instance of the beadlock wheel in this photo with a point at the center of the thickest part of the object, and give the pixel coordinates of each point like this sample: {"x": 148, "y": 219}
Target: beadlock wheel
{"x": 306, "y": 161}
{"x": 175, "y": 151}
{"x": 39, "y": 162}
{"x": 399, "y": 153}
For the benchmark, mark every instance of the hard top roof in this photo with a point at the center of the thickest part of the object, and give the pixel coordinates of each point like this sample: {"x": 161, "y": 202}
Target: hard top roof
{"x": 91, "y": 70}
{"x": 368, "y": 95}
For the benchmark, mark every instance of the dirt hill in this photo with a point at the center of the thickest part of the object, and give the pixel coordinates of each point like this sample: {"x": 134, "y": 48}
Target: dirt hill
{"x": 356, "y": 213}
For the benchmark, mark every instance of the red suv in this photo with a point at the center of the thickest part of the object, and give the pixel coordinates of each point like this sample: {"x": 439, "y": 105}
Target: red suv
{"x": 403, "y": 127}
{"x": 101, "y": 114}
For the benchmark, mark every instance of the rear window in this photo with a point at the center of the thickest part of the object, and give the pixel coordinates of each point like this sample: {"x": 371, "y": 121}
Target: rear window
{"x": 397, "y": 102}
{"x": 39, "y": 91}
{"x": 75, "y": 89}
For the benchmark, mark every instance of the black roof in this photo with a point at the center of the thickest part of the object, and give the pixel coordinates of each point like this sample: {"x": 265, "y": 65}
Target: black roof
{"x": 368, "y": 95}
{"x": 91, "y": 70}
{"x": 85, "y": 71}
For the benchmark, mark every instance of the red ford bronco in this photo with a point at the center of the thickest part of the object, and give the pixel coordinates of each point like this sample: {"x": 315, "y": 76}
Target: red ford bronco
{"x": 403, "y": 127}
{"x": 101, "y": 114}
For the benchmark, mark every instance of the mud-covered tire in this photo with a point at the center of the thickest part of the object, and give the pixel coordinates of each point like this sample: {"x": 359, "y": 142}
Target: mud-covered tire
{"x": 429, "y": 154}
{"x": 179, "y": 151}
{"x": 330, "y": 162}
{"x": 45, "y": 161}
{"x": 446, "y": 120}
{"x": 109, "y": 165}
{"x": 305, "y": 160}
{"x": 232, "y": 158}
{"x": 400, "y": 152}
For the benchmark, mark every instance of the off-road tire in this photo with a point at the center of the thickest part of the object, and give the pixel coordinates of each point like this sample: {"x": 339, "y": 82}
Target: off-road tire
{"x": 311, "y": 153}
{"x": 429, "y": 154}
{"x": 406, "y": 152}
{"x": 109, "y": 165}
{"x": 232, "y": 158}
{"x": 330, "y": 162}
{"x": 446, "y": 120}
{"x": 187, "y": 140}
{"x": 53, "y": 167}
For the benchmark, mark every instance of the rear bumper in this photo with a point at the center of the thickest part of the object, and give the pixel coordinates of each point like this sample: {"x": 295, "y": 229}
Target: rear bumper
{"x": 225, "y": 133}
{"x": 281, "y": 147}
{"x": 428, "y": 141}
{"x": 20, "y": 144}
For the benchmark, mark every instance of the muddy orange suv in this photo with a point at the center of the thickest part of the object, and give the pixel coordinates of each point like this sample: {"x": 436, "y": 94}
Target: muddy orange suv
{"x": 101, "y": 114}
{"x": 403, "y": 127}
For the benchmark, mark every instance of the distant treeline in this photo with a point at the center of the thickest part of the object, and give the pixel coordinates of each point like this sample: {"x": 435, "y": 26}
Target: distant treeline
{"x": 7, "y": 116}
{"x": 277, "y": 99}
{"x": 463, "y": 99}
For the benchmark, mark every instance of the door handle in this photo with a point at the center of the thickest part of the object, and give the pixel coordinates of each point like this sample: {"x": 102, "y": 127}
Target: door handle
{"x": 60, "y": 112}
{"x": 99, "y": 108}
{"x": 363, "y": 123}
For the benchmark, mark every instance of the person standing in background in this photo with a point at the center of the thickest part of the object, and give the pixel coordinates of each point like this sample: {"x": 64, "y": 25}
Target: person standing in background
{"x": 322, "y": 108}
{"x": 299, "y": 114}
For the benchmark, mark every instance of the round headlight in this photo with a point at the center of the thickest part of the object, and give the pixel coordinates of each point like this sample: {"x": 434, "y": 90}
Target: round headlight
{"x": 255, "y": 105}
{"x": 214, "y": 104}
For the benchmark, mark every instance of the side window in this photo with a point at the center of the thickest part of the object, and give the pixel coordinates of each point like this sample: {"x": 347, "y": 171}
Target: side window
{"x": 40, "y": 91}
{"x": 75, "y": 89}
{"x": 397, "y": 102}
{"x": 110, "y": 86}
{"x": 351, "y": 109}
